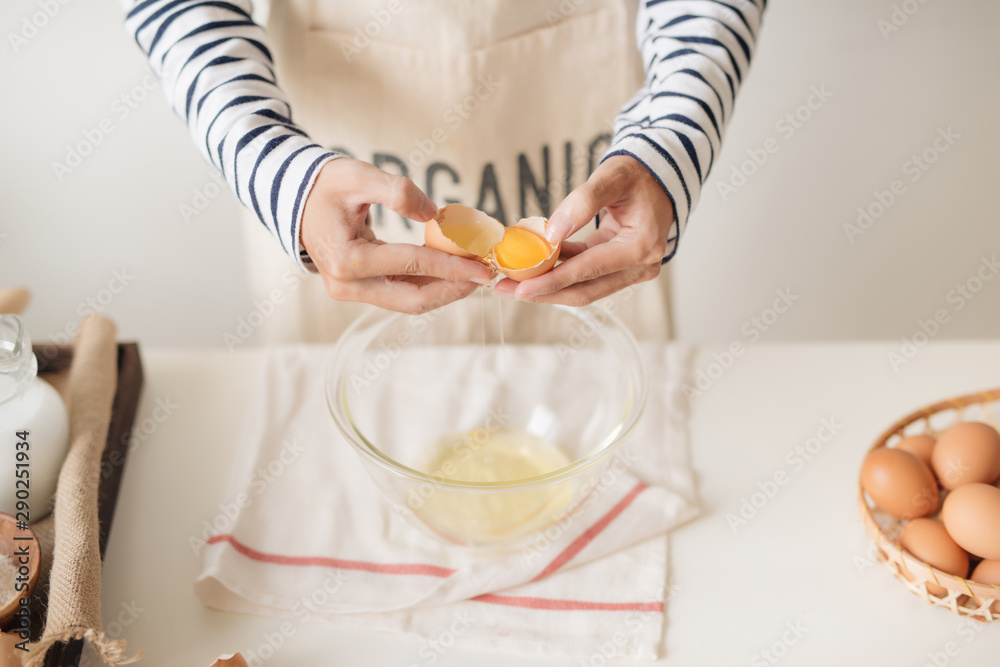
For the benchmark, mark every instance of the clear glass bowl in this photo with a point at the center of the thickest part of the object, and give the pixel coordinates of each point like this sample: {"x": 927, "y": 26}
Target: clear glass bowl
{"x": 487, "y": 443}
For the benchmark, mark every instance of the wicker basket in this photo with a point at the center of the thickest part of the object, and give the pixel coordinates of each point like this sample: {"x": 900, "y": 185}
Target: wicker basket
{"x": 882, "y": 529}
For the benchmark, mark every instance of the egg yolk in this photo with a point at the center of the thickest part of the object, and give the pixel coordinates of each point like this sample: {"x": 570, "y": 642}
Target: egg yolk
{"x": 521, "y": 249}
{"x": 471, "y": 237}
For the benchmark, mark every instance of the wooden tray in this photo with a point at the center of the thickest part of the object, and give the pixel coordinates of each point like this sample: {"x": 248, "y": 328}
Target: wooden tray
{"x": 55, "y": 358}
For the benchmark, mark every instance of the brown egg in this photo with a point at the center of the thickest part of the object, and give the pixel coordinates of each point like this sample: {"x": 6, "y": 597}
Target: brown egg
{"x": 920, "y": 446}
{"x": 971, "y": 513}
{"x": 899, "y": 483}
{"x": 987, "y": 572}
{"x": 967, "y": 453}
{"x": 928, "y": 540}
{"x": 519, "y": 252}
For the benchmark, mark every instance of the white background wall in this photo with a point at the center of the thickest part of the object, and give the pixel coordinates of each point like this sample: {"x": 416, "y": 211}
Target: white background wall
{"x": 783, "y": 228}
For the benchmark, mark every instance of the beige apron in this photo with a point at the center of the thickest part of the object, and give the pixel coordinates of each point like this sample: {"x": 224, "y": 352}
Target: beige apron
{"x": 505, "y": 105}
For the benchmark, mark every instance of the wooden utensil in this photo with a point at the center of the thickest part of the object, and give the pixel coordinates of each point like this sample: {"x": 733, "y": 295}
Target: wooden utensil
{"x": 14, "y": 300}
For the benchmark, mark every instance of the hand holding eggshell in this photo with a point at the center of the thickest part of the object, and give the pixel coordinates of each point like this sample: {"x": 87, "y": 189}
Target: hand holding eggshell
{"x": 519, "y": 252}
{"x": 357, "y": 266}
{"x": 636, "y": 232}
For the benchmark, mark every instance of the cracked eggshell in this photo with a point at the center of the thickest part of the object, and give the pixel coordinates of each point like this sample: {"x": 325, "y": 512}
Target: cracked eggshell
{"x": 536, "y": 225}
{"x": 436, "y": 231}
{"x": 234, "y": 660}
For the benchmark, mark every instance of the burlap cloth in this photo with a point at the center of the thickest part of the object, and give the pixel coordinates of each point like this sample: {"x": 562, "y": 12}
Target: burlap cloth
{"x": 69, "y": 537}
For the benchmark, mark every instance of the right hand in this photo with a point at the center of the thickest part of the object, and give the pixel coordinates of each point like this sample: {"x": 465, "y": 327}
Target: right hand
{"x": 356, "y": 266}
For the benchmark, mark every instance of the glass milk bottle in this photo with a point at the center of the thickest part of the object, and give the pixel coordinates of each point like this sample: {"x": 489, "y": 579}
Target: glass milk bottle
{"x": 34, "y": 428}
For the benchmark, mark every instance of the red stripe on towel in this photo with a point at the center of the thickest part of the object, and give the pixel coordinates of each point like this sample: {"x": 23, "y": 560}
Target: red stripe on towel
{"x": 568, "y": 605}
{"x": 577, "y": 545}
{"x": 381, "y": 568}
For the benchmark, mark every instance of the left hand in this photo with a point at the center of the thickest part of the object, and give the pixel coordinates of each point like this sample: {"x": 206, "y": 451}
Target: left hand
{"x": 626, "y": 249}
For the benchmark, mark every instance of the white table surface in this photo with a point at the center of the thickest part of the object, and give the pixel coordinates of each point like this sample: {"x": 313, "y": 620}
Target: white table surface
{"x": 737, "y": 594}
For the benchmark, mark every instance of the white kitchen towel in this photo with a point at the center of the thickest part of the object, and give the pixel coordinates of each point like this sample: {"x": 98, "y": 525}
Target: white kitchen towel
{"x": 304, "y": 533}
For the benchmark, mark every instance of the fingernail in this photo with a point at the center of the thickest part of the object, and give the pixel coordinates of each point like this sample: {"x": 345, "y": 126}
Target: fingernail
{"x": 481, "y": 281}
{"x": 558, "y": 226}
{"x": 429, "y": 209}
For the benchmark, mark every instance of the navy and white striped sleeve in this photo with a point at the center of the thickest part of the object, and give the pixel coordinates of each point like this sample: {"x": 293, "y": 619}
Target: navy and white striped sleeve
{"x": 218, "y": 75}
{"x": 696, "y": 54}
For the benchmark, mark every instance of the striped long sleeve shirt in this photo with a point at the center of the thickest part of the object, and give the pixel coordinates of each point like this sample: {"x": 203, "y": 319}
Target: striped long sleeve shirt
{"x": 217, "y": 72}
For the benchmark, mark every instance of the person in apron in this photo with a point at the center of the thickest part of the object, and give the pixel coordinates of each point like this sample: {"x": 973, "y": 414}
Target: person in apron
{"x": 506, "y": 106}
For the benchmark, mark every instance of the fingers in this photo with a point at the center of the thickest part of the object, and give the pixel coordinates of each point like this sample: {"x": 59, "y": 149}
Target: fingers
{"x": 357, "y": 266}
{"x": 567, "y": 249}
{"x": 400, "y": 194}
{"x": 602, "y": 189}
{"x": 608, "y": 231}
{"x": 412, "y": 295}
{"x": 587, "y": 292}
{"x": 506, "y": 286}
{"x": 615, "y": 255}
{"x": 571, "y": 249}
{"x": 370, "y": 260}
{"x": 579, "y": 207}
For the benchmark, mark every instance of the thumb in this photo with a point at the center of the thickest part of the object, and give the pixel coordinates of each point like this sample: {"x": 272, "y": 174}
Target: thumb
{"x": 403, "y": 196}
{"x": 576, "y": 210}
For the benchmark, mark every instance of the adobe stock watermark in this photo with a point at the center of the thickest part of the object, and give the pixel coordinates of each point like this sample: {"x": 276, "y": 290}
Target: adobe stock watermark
{"x": 462, "y": 449}
{"x": 611, "y": 648}
{"x": 591, "y": 492}
{"x": 92, "y": 137}
{"x": 433, "y": 649}
{"x": 215, "y": 184}
{"x": 128, "y": 614}
{"x": 578, "y": 159}
{"x": 956, "y": 299}
{"x": 914, "y": 168}
{"x": 780, "y": 647}
{"x": 263, "y": 310}
{"x": 309, "y": 606}
{"x": 872, "y": 556}
{"x": 966, "y": 631}
{"x": 795, "y": 460}
{"x": 898, "y": 17}
{"x": 163, "y": 408}
{"x": 364, "y": 34}
{"x": 96, "y": 303}
{"x": 786, "y": 127}
{"x": 32, "y": 24}
{"x": 752, "y": 330}
{"x": 563, "y": 11}
{"x": 453, "y": 118}
{"x": 260, "y": 480}
{"x": 379, "y": 361}
{"x": 583, "y": 331}
{"x": 271, "y": 642}
{"x": 202, "y": 196}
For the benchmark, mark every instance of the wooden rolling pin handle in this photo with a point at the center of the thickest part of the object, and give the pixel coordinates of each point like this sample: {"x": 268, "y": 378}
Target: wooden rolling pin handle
{"x": 14, "y": 300}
